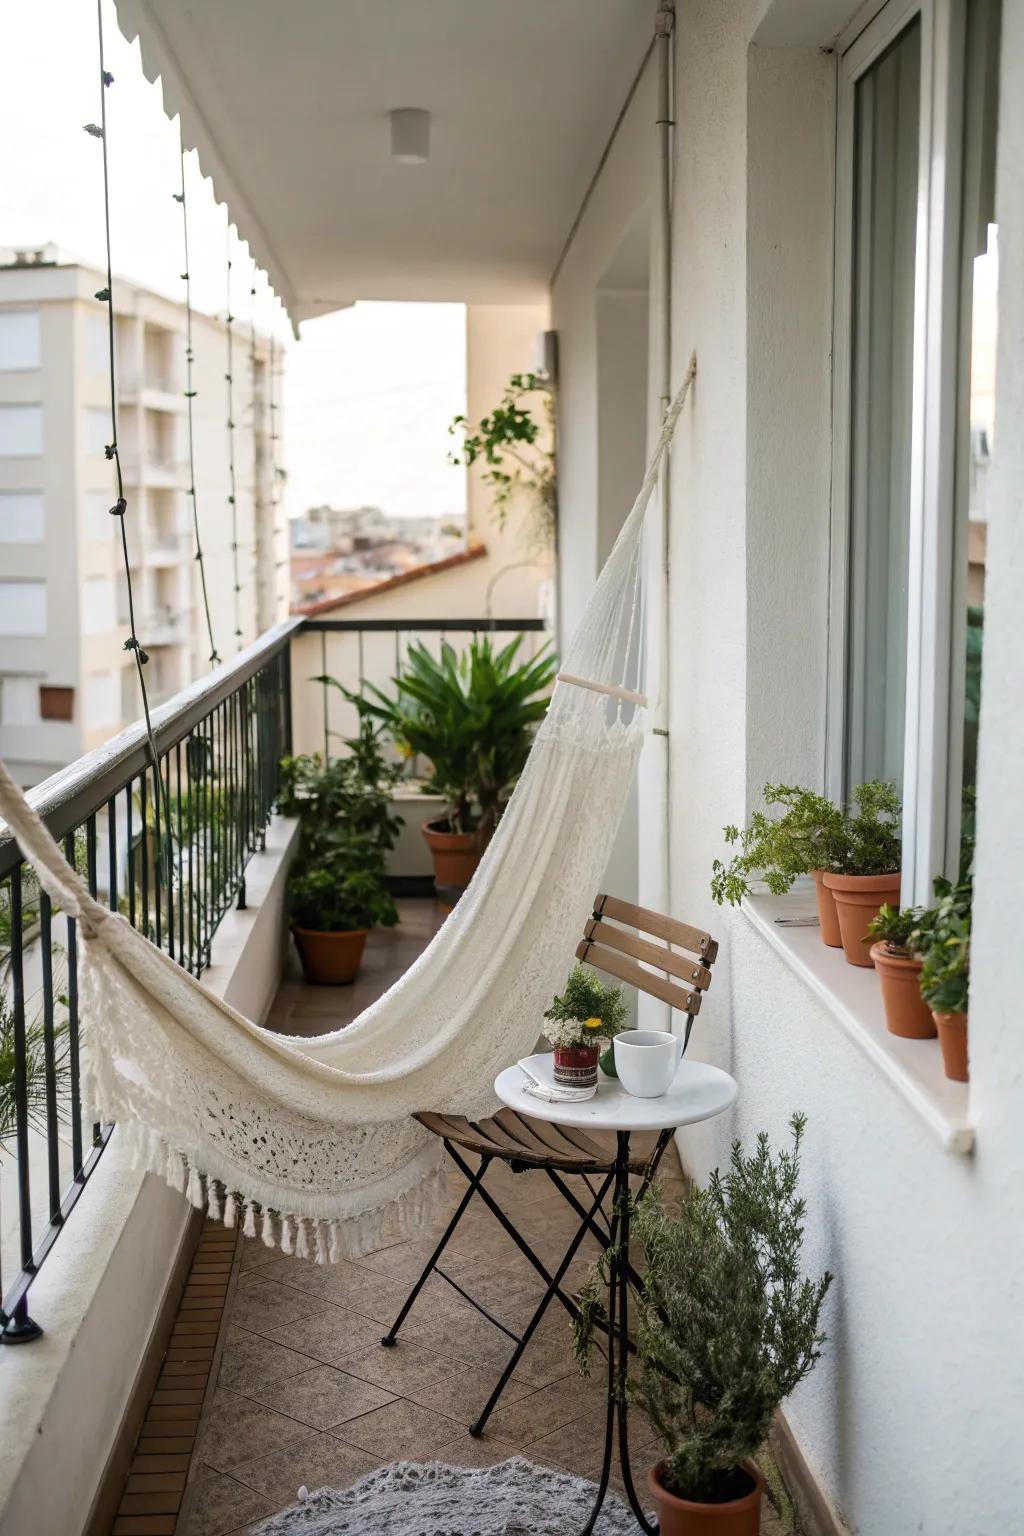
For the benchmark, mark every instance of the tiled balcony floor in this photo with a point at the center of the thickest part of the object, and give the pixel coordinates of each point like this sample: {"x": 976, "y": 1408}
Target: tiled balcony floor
{"x": 301, "y": 1391}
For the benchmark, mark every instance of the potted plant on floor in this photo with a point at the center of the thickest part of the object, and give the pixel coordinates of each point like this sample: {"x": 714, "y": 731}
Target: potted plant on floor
{"x": 727, "y": 1326}
{"x": 585, "y": 1014}
{"x": 472, "y": 715}
{"x": 945, "y": 944}
{"x": 890, "y": 936}
{"x": 853, "y": 853}
{"x": 336, "y": 889}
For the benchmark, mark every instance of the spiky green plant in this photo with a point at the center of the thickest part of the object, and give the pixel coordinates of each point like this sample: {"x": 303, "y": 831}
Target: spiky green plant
{"x": 35, "y": 1071}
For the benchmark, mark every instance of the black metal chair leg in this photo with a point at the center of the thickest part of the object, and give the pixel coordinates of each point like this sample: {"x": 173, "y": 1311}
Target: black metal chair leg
{"x": 620, "y": 1279}
{"x": 391, "y": 1337}
{"x": 517, "y": 1354}
{"x": 609, "y": 1422}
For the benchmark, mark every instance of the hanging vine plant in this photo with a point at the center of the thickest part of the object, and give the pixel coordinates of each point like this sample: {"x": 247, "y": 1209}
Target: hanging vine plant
{"x": 515, "y": 445}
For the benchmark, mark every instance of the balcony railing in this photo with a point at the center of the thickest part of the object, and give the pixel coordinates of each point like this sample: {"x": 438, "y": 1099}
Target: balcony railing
{"x": 172, "y": 863}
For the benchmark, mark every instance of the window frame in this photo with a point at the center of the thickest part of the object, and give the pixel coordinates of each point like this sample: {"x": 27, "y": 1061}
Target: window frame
{"x": 936, "y": 629}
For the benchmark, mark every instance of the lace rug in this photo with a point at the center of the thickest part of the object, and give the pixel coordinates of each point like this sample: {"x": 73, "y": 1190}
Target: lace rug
{"x": 409, "y": 1498}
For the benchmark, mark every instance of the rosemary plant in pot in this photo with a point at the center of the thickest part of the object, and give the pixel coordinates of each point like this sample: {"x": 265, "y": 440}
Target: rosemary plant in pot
{"x": 472, "y": 715}
{"x": 585, "y": 1014}
{"x": 727, "y": 1326}
{"x": 336, "y": 889}
{"x": 890, "y": 935}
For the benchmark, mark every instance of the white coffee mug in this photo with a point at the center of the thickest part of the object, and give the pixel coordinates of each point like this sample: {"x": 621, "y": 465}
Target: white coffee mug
{"x": 647, "y": 1060}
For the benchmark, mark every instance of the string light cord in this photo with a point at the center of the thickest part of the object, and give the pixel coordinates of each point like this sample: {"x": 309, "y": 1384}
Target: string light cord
{"x": 120, "y": 508}
{"x": 190, "y": 394}
{"x": 232, "y": 493}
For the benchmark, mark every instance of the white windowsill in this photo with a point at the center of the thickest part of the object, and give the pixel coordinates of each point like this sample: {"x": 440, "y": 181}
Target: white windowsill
{"x": 853, "y": 996}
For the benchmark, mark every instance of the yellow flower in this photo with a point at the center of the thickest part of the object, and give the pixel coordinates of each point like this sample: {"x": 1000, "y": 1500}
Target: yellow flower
{"x": 593, "y": 1023}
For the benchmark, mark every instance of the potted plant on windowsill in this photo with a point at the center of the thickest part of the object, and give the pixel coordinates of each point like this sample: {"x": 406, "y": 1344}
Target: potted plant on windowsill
{"x": 853, "y": 854}
{"x": 472, "y": 715}
{"x": 585, "y": 1014}
{"x": 727, "y": 1326}
{"x": 945, "y": 943}
{"x": 890, "y": 936}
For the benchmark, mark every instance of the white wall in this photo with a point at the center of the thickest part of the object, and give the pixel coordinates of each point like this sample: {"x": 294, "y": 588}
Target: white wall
{"x": 911, "y": 1421}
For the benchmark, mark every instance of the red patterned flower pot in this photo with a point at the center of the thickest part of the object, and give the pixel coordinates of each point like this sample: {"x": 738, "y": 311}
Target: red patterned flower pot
{"x": 576, "y": 1065}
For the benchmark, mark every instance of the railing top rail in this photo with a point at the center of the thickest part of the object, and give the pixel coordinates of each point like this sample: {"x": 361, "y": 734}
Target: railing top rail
{"x": 427, "y": 626}
{"x": 67, "y": 797}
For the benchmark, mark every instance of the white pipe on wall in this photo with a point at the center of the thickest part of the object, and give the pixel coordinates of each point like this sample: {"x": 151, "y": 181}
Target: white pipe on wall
{"x": 664, "y": 27}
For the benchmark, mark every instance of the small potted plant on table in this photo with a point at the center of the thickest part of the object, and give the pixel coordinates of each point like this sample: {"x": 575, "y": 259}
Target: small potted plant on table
{"x": 472, "y": 716}
{"x": 891, "y": 935}
{"x": 727, "y": 1326}
{"x": 585, "y": 1014}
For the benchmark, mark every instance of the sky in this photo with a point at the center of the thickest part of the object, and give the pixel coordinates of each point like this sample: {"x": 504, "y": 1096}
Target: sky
{"x": 368, "y": 391}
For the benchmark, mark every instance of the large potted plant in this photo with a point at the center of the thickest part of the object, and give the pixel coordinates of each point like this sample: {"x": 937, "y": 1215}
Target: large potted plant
{"x": 852, "y": 852}
{"x": 336, "y": 890}
{"x": 891, "y": 934}
{"x": 586, "y": 1014}
{"x": 472, "y": 716}
{"x": 727, "y": 1326}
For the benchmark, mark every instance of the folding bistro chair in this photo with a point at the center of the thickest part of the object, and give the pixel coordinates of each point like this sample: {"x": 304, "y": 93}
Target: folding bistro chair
{"x": 685, "y": 956}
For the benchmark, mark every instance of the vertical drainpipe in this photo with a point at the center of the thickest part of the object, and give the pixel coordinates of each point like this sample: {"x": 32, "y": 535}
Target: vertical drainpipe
{"x": 663, "y": 30}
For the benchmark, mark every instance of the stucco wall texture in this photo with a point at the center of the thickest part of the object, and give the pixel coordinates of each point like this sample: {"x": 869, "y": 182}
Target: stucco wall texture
{"x": 912, "y": 1421}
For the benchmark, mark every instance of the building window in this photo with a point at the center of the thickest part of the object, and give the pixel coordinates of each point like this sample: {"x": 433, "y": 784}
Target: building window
{"x": 95, "y": 430}
{"x": 21, "y": 431}
{"x": 98, "y": 608}
{"x": 22, "y": 518}
{"x": 22, "y": 608}
{"x": 102, "y": 700}
{"x": 56, "y": 703}
{"x": 98, "y": 527}
{"x": 19, "y": 340}
{"x": 19, "y": 701}
{"x": 96, "y": 349}
{"x": 914, "y": 392}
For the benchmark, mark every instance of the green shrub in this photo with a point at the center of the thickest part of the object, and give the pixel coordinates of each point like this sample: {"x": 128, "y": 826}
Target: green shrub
{"x": 727, "y": 1325}
{"x": 336, "y": 900}
{"x": 895, "y": 927}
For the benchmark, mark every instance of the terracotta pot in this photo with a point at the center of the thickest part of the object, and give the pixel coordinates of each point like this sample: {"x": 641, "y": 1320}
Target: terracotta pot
{"x": 455, "y": 854}
{"x": 858, "y": 899}
{"x": 906, "y": 1012}
{"x": 330, "y": 959}
{"x": 952, "y": 1029}
{"x": 828, "y": 918}
{"x": 686, "y": 1517}
{"x": 576, "y": 1065}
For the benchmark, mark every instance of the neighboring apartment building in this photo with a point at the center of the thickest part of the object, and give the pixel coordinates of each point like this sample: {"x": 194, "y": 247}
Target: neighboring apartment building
{"x": 66, "y": 682}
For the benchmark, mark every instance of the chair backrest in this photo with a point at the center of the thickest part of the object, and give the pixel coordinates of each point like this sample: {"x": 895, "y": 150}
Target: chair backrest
{"x": 610, "y": 944}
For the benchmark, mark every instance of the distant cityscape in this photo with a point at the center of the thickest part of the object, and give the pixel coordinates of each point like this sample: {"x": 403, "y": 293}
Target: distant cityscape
{"x": 337, "y": 551}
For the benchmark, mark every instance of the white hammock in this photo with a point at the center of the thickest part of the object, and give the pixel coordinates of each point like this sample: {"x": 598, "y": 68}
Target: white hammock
{"x": 311, "y": 1143}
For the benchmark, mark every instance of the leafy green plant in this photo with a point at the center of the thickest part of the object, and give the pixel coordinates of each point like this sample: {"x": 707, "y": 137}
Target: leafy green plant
{"x": 336, "y": 899}
{"x": 341, "y": 799}
{"x": 35, "y": 1071}
{"x": 943, "y": 939}
{"x": 895, "y": 927}
{"x": 727, "y": 1324}
{"x": 518, "y": 453}
{"x": 472, "y": 715}
{"x": 812, "y": 833}
{"x": 586, "y": 1011}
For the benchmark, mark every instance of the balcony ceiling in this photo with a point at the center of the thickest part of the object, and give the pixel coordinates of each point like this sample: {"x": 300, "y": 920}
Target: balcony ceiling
{"x": 287, "y": 105}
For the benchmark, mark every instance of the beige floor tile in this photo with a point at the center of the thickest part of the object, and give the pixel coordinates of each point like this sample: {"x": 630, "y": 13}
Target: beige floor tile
{"x": 320, "y": 1461}
{"x": 261, "y": 1304}
{"x": 220, "y": 1505}
{"x": 238, "y": 1429}
{"x": 401, "y": 1430}
{"x": 399, "y": 1369}
{"x": 329, "y": 1333}
{"x": 250, "y": 1361}
{"x": 462, "y": 1394}
{"x": 480, "y": 1451}
{"x": 324, "y": 1397}
{"x": 542, "y": 1413}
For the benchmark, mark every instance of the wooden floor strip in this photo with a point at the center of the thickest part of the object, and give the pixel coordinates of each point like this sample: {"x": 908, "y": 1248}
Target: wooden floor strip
{"x": 155, "y": 1487}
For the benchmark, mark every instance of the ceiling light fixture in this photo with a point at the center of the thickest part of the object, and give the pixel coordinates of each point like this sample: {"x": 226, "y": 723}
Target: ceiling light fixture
{"x": 410, "y": 135}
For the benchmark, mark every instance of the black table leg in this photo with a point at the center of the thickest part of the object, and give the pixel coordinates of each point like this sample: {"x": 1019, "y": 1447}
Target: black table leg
{"x": 618, "y": 1348}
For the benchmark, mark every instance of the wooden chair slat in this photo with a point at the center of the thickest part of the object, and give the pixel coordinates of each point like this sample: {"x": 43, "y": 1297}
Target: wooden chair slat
{"x": 672, "y": 961}
{"x": 560, "y": 1140}
{"x": 667, "y": 928}
{"x": 458, "y": 1129}
{"x": 614, "y": 964}
{"x": 524, "y": 1147}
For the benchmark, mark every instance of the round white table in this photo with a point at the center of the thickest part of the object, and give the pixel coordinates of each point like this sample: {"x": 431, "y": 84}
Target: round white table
{"x": 698, "y": 1092}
